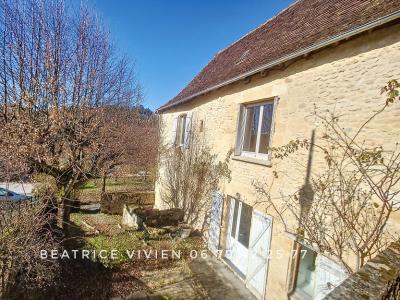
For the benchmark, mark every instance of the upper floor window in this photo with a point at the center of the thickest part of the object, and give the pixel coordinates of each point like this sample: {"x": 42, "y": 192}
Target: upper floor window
{"x": 201, "y": 127}
{"x": 255, "y": 129}
{"x": 181, "y": 130}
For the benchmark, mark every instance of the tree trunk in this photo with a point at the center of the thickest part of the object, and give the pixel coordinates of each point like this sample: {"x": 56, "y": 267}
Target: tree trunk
{"x": 104, "y": 181}
{"x": 64, "y": 210}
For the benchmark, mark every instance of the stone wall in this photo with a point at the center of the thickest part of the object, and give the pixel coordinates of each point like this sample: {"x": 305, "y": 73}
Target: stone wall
{"x": 377, "y": 279}
{"x": 113, "y": 202}
{"x": 346, "y": 78}
{"x": 134, "y": 216}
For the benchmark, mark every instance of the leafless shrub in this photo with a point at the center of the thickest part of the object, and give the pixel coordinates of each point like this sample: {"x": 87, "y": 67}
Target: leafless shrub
{"x": 345, "y": 205}
{"x": 24, "y": 232}
{"x": 190, "y": 176}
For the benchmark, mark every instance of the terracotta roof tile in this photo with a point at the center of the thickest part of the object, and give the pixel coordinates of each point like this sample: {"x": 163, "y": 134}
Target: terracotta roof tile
{"x": 303, "y": 24}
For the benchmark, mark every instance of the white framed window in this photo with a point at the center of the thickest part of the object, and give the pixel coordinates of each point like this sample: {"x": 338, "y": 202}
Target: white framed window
{"x": 255, "y": 127}
{"x": 306, "y": 273}
{"x": 181, "y": 131}
{"x": 181, "y": 128}
{"x": 241, "y": 231}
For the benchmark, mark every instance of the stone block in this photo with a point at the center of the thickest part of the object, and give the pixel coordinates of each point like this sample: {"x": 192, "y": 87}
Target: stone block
{"x": 113, "y": 202}
{"x": 160, "y": 218}
{"x": 130, "y": 219}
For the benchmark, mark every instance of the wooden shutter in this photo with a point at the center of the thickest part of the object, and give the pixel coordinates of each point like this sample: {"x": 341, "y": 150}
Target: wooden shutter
{"x": 272, "y": 131}
{"x": 240, "y": 130}
{"x": 188, "y": 127}
{"x": 174, "y": 128}
{"x": 215, "y": 222}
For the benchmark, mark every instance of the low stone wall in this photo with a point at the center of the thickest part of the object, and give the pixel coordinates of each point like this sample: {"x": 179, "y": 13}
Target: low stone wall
{"x": 89, "y": 196}
{"x": 134, "y": 216}
{"x": 377, "y": 279}
{"x": 113, "y": 202}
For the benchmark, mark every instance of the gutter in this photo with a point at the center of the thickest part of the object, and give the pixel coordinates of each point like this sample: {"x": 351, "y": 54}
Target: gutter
{"x": 331, "y": 40}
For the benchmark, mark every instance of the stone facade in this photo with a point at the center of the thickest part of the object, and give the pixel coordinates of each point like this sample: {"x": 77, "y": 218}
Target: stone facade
{"x": 346, "y": 78}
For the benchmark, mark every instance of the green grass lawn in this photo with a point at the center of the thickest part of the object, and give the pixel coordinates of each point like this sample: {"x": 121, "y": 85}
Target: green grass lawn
{"x": 128, "y": 183}
{"x": 89, "y": 185}
{"x": 90, "y": 192}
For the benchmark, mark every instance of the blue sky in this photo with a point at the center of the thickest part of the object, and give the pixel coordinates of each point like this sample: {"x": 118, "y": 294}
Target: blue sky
{"x": 172, "y": 40}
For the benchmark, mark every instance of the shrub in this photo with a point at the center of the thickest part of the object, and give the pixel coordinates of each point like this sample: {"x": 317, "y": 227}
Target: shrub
{"x": 24, "y": 232}
{"x": 190, "y": 176}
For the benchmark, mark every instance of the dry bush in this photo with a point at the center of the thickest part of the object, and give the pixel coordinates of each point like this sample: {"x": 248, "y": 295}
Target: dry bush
{"x": 24, "y": 232}
{"x": 191, "y": 175}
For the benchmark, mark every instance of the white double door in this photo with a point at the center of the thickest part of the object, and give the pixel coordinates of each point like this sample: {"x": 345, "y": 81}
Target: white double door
{"x": 248, "y": 244}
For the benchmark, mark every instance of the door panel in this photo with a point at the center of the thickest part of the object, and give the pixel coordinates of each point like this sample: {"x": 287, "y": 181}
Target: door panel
{"x": 248, "y": 244}
{"x": 241, "y": 257}
{"x": 236, "y": 251}
{"x": 229, "y": 240}
{"x": 215, "y": 222}
{"x": 260, "y": 239}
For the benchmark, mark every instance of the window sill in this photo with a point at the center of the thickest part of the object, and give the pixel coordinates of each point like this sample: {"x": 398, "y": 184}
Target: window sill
{"x": 256, "y": 161}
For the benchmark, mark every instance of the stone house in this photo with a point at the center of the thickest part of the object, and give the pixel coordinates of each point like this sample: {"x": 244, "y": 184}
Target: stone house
{"x": 260, "y": 92}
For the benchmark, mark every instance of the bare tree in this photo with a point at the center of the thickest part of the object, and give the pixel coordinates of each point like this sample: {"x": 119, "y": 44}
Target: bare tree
{"x": 129, "y": 141}
{"x": 345, "y": 205}
{"x": 190, "y": 176}
{"x": 59, "y": 77}
{"x": 115, "y": 141}
{"x": 143, "y": 145}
